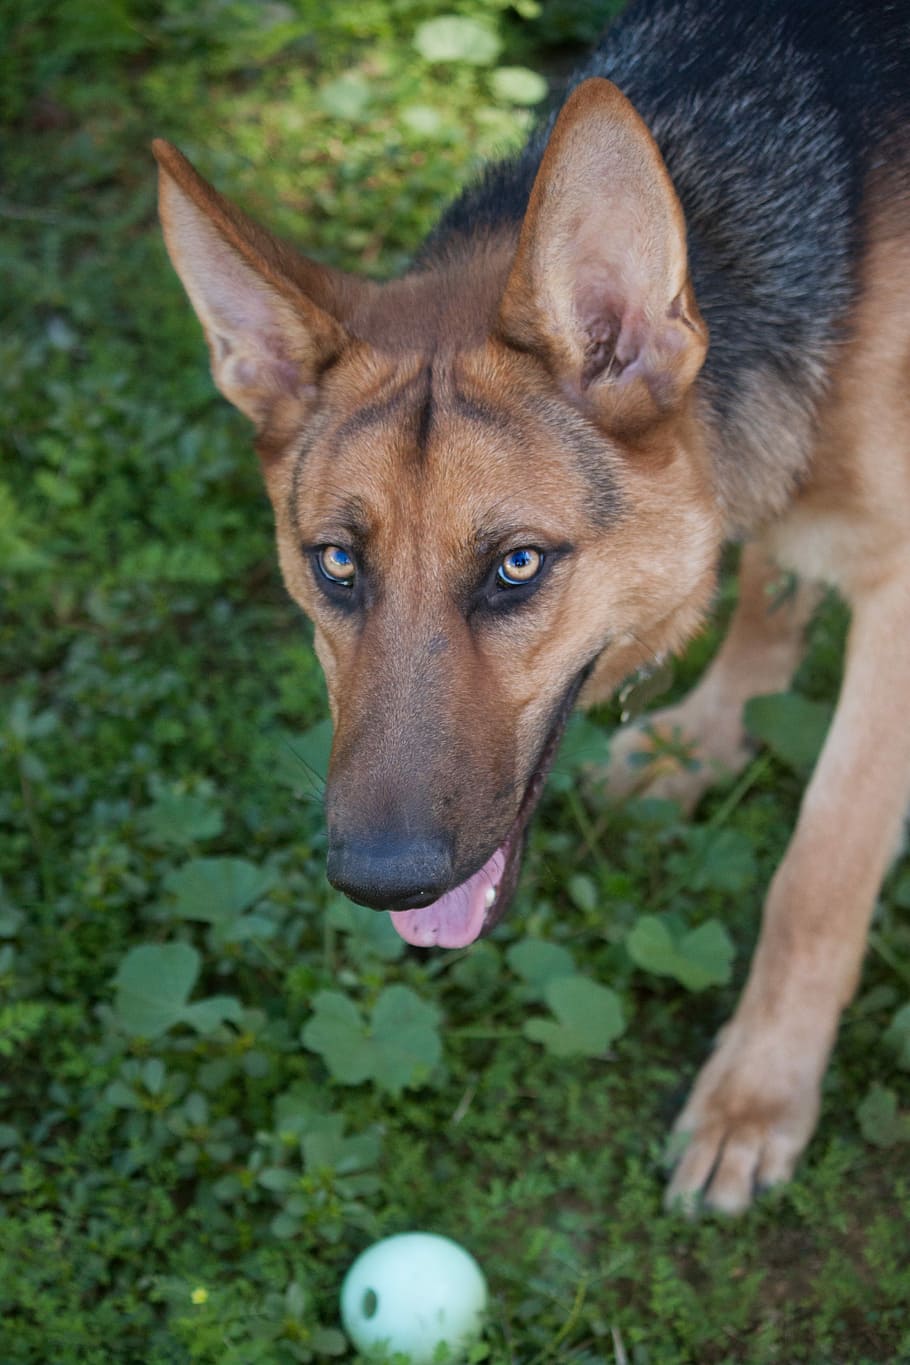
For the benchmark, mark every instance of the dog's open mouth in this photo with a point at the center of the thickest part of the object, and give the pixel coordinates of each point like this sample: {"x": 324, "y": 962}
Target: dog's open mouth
{"x": 473, "y": 907}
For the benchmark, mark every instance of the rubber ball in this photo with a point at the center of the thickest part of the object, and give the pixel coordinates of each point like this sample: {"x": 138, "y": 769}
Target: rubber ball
{"x": 410, "y": 1293}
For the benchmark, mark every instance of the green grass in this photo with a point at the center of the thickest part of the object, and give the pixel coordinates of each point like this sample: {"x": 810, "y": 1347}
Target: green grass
{"x": 191, "y": 1184}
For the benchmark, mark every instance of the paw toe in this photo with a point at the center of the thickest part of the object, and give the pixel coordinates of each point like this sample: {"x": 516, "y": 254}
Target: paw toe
{"x": 716, "y": 1172}
{"x": 726, "y": 1164}
{"x": 777, "y": 1163}
{"x": 732, "y": 1186}
{"x": 693, "y": 1169}
{"x": 641, "y": 763}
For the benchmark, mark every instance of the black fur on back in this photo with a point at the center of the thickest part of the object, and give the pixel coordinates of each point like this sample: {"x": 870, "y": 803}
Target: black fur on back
{"x": 769, "y": 115}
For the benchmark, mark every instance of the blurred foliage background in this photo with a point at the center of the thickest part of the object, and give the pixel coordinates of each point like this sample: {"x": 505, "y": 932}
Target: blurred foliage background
{"x": 219, "y": 1080}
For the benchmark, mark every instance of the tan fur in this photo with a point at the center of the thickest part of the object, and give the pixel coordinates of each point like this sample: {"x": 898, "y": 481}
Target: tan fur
{"x": 444, "y": 418}
{"x": 709, "y": 742}
{"x": 616, "y": 263}
{"x": 425, "y": 516}
{"x": 416, "y": 668}
{"x": 755, "y": 1103}
{"x": 850, "y": 523}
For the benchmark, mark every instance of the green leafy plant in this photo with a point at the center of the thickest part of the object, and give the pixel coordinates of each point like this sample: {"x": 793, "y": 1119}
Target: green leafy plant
{"x": 882, "y": 1123}
{"x": 319, "y": 1175}
{"x": 458, "y": 38}
{"x": 181, "y": 818}
{"x": 791, "y": 725}
{"x": 697, "y": 958}
{"x": 588, "y": 1018}
{"x": 399, "y": 1046}
{"x": 897, "y": 1036}
{"x": 154, "y": 983}
{"x": 538, "y": 963}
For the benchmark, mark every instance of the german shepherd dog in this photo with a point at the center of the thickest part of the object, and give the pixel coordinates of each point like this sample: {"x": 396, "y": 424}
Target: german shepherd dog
{"x": 502, "y": 482}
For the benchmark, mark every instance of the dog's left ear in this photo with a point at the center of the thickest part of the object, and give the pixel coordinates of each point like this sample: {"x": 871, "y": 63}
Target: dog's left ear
{"x": 600, "y": 282}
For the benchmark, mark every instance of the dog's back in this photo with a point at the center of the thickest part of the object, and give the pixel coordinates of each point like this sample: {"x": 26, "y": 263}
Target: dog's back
{"x": 772, "y": 119}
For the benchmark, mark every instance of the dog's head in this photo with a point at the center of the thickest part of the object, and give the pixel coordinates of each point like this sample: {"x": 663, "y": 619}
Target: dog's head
{"x": 489, "y": 487}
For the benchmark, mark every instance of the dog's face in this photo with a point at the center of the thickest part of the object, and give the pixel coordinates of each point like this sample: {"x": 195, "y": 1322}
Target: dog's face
{"x": 489, "y": 492}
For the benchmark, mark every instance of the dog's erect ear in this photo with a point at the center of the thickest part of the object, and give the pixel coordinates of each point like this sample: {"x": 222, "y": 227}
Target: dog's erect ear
{"x": 600, "y": 283}
{"x": 271, "y": 317}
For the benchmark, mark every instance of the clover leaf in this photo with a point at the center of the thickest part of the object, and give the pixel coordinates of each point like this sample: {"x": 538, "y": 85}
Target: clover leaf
{"x": 397, "y": 1049}
{"x": 538, "y": 963}
{"x": 698, "y": 958}
{"x": 181, "y": 818}
{"x": 897, "y": 1036}
{"x": 880, "y": 1120}
{"x": 217, "y": 890}
{"x": 154, "y": 982}
{"x": 588, "y": 1018}
{"x": 792, "y": 726}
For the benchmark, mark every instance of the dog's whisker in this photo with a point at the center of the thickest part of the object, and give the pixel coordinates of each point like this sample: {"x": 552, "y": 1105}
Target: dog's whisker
{"x": 316, "y": 780}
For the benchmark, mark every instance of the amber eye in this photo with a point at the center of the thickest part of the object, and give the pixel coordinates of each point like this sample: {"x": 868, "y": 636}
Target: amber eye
{"x": 337, "y": 565}
{"x": 518, "y": 567}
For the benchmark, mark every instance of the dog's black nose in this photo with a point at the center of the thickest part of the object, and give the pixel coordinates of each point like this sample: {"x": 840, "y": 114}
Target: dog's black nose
{"x": 389, "y": 873}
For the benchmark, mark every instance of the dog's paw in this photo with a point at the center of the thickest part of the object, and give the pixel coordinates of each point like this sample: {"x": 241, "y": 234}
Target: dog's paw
{"x": 678, "y": 752}
{"x": 665, "y": 756}
{"x": 752, "y": 1111}
{"x": 651, "y": 760}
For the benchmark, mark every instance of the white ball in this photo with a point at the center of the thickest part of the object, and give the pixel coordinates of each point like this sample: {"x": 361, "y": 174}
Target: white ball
{"x": 409, "y": 1293}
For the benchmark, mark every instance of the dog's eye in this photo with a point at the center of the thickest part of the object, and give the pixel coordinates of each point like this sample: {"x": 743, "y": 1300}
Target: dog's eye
{"x": 337, "y": 565}
{"x": 519, "y": 566}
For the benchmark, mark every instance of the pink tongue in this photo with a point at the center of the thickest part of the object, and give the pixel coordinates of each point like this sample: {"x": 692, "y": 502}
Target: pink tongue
{"x": 457, "y": 918}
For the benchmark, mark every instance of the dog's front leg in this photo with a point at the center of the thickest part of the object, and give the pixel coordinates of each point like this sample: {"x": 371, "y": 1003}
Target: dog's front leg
{"x": 755, "y": 1103}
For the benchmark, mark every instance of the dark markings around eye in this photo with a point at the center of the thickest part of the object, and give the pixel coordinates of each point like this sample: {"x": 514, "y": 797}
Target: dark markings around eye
{"x": 592, "y": 454}
{"x": 475, "y": 409}
{"x": 594, "y": 465}
{"x": 379, "y": 410}
{"x": 365, "y": 417}
{"x": 314, "y": 429}
{"x": 594, "y": 458}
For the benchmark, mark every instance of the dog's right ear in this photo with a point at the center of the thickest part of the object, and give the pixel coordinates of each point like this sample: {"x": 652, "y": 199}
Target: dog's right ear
{"x": 600, "y": 283}
{"x": 271, "y": 317}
